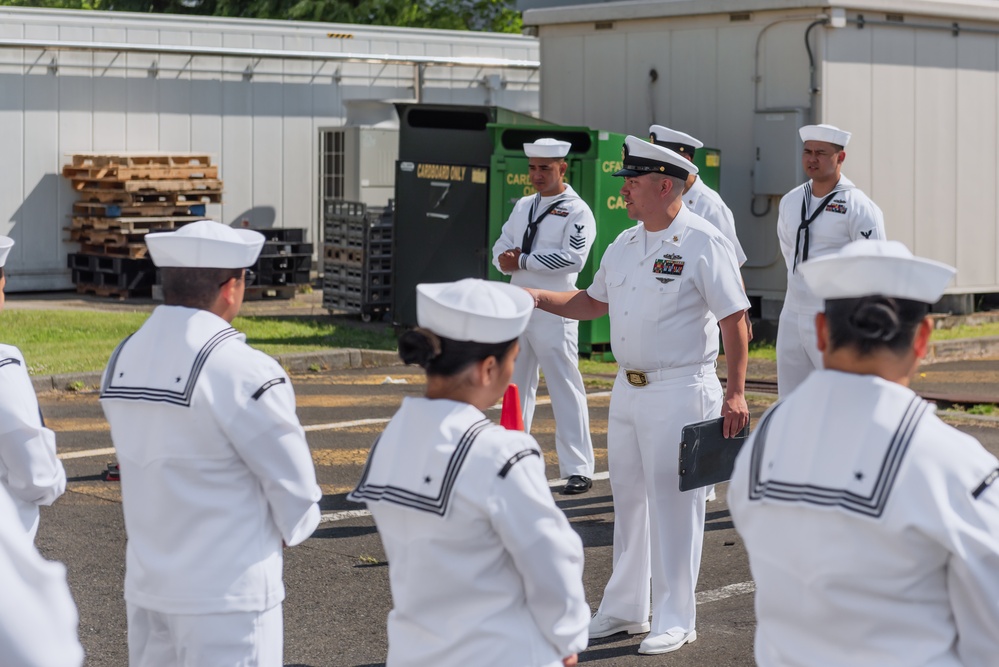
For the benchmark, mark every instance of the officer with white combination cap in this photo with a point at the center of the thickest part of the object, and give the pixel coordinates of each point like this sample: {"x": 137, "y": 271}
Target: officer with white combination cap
{"x": 38, "y": 619}
{"x": 485, "y": 569}
{"x": 872, "y": 527}
{"x": 29, "y": 468}
{"x": 815, "y": 219}
{"x": 217, "y": 477}
{"x": 544, "y": 244}
{"x": 668, "y": 284}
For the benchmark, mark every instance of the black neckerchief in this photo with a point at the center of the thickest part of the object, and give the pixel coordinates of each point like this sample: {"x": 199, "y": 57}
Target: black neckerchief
{"x": 532, "y": 224}
{"x": 807, "y": 220}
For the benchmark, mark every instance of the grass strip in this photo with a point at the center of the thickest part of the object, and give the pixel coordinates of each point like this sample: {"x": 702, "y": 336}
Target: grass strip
{"x": 64, "y": 341}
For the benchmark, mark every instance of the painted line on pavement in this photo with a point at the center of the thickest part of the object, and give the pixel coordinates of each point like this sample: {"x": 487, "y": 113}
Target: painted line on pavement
{"x": 729, "y": 591}
{"x": 86, "y": 453}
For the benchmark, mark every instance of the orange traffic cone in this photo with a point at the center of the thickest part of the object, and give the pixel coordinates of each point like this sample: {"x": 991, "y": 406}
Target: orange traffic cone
{"x": 511, "y": 418}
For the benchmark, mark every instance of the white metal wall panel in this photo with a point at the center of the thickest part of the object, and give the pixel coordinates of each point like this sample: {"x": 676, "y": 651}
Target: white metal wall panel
{"x": 645, "y": 52}
{"x": 12, "y": 181}
{"x": 110, "y": 93}
{"x": 976, "y": 212}
{"x": 783, "y": 68}
{"x": 694, "y": 103}
{"x": 893, "y": 129}
{"x": 604, "y": 86}
{"x": 847, "y": 96}
{"x": 936, "y": 160}
{"x": 564, "y": 98}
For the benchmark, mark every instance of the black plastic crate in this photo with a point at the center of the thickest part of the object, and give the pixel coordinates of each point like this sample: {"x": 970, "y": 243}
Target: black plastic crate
{"x": 273, "y": 263}
{"x": 282, "y": 234}
{"x": 286, "y": 248}
{"x": 283, "y": 278}
{"x": 357, "y": 257}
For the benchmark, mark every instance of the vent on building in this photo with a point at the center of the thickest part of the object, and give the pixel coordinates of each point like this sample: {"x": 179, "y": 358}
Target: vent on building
{"x": 603, "y": 25}
{"x": 741, "y": 16}
{"x": 331, "y": 163}
{"x": 896, "y": 18}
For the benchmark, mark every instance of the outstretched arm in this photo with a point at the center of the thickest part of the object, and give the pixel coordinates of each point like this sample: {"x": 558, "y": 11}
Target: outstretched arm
{"x": 578, "y": 305}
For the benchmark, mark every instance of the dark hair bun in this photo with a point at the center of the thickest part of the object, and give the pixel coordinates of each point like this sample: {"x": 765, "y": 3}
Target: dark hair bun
{"x": 419, "y": 346}
{"x": 875, "y": 319}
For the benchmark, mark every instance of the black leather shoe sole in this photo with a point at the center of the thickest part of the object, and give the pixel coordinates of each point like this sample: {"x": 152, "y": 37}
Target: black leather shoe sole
{"x": 576, "y": 484}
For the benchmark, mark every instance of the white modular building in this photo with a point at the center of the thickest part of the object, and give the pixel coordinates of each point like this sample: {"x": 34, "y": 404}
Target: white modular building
{"x": 915, "y": 81}
{"x": 291, "y": 112}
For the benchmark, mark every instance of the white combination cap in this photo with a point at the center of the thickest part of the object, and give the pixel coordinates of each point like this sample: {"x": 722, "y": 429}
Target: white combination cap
{"x": 6, "y": 243}
{"x": 205, "y": 244}
{"x": 549, "y": 148}
{"x": 680, "y": 142}
{"x": 477, "y": 310}
{"x": 869, "y": 268}
{"x": 643, "y": 157}
{"x": 827, "y": 133}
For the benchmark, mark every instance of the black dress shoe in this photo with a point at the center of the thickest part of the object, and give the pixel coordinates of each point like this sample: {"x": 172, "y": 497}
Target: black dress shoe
{"x": 576, "y": 484}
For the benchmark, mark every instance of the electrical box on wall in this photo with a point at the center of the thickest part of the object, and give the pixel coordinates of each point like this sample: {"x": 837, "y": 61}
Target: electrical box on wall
{"x": 778, "y": 151}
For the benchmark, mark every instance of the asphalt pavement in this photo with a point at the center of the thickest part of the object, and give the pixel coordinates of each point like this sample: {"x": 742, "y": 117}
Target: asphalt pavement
{"x": 337, "y": 581}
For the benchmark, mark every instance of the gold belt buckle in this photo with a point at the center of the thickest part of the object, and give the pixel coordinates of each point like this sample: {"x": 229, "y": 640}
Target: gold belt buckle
{"x": 636, "y": 378}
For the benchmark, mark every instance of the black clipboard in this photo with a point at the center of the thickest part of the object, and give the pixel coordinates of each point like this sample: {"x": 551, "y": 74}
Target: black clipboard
{"x": 706, "y": 455}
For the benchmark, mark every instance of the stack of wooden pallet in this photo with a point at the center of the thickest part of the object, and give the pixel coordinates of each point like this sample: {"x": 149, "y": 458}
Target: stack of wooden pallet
{"x": 122, "y": 198}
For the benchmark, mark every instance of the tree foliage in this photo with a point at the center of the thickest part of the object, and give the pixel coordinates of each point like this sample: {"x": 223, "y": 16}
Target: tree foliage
{"x": 485, "y": 15}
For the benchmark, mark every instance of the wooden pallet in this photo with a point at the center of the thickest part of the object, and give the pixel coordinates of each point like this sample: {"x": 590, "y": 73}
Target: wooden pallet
{"x": 96, "y": 237}
{"x": 140, "y": 159}
{"x": 101, "y": 290}
{"x": 116, "y": 173}
{"x": 91, "y": 209}
{"x": 158, "y": 185}
{"x": 131, "y": 250}
{"x": 94, "y": 195}
{"x": 132, "y": 225}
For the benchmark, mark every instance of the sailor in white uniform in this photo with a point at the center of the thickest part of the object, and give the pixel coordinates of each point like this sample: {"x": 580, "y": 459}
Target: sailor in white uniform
{"x": 38, "y": 620}
{"x": 872, "y": 527}
{"x": 815, "y": 219}
{"x": 668, "y": 284}
{"x": 29, "y": 469}
{"x": 545, "y": 243}
{"x": 697, "y": 196}
{"x": 485, "y": 569}
{"x": 217, "y": 477}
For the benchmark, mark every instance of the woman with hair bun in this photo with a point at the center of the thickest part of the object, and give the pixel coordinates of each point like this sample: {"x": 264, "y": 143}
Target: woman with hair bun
{"x": 484, "y": 567}
{"x": 872, "y": 527}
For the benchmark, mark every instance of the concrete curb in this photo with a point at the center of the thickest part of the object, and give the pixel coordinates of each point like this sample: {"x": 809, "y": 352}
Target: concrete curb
{"x": 297, "y": 362}
{"x": 963, "y": 349}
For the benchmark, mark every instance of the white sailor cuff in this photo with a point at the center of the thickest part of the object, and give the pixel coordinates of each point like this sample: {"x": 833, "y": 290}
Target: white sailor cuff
{"x": 522, "y": 260}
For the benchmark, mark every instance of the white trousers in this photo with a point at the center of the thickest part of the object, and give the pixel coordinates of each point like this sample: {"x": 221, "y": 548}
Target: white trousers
{"x": 658, "y": 531}
{"x": 236, "y": 639}
{"x": 797, "y": 350}
{"x": 552, "y": 343}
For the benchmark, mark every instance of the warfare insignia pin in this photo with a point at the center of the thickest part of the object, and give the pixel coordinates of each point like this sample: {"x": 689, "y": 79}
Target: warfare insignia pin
{"x": 665, "y": 280}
